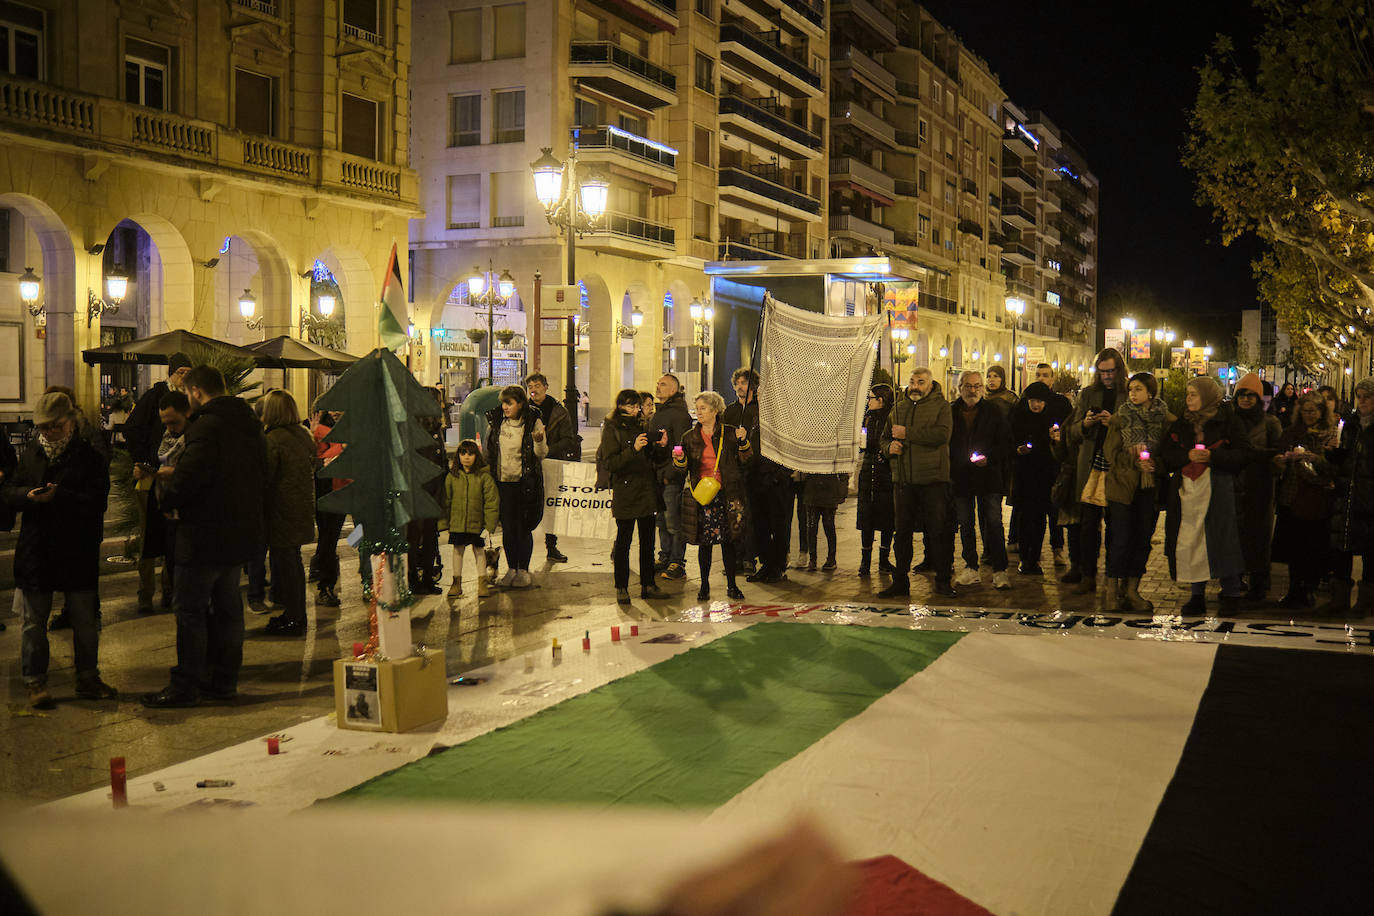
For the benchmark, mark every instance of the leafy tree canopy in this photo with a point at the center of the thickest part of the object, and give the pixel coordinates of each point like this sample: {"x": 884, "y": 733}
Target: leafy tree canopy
{"x": 1284, "y": 148}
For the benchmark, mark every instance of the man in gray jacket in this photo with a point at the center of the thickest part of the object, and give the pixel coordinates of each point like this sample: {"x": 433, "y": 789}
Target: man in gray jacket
{"x": 917, "y": 439}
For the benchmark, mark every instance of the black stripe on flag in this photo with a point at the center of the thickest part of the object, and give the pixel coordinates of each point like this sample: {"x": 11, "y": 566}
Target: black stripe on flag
{"x": 1271, "y": 809}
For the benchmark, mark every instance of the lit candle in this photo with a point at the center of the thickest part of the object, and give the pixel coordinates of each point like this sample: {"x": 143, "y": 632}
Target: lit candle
{"x": 974, "y": 457}
{"x": 1144, "y": 454}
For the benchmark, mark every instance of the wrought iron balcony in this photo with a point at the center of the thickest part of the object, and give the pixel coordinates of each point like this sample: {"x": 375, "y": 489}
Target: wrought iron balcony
{"x": 770, "y": 189}
{"x": 771, "y": 51}
{"x": 610, "y": 68}
{"x": 734, "y": 104}
{"x": 626, "y": 142}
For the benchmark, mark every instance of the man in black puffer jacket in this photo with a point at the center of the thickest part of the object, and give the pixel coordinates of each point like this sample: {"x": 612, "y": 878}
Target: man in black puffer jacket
{"x": 217, "y": 488}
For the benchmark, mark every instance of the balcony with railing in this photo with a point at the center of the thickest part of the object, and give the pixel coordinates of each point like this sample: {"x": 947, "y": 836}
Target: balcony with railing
{"x": 628, "y": 234}
{"x": 908, "y": 91}
{"x": 649, "y": 160}
{"x": 266, "y": 7}
{"x": 854, "y": 114}
{"x": 880, "y": 17}
{"x": 969, "y": 186}
{"x": 813, "y": 13}
{"x": 971, "y": 227}
{"x": 1017, "y": 215}
{"x": 650, "y": 15}
{"x": 759, "y": 113}
{"x": 765, "y": 57}
{"x": 764, "y": 191}
{"x": 1017, "y": 252}
{"x": 854, "y": 225}
{"x": 869, "y": 70}
{"x": 1017, "y": 177}
{"x": 856, "y": 171}
{"x": 102, "y": 123}
{"x": 610, "y": 68}
{"x": 904, "y": 188}
{"x": 907, "y": 138}
{"x": 1017, "y": 141}
{"x": 762, "y": 247}
{"x": 934, "y": 303}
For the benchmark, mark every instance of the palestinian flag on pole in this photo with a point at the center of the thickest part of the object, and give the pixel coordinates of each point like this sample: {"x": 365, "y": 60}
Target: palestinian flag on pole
{"x": 979, "y": 772}
{"x": 392, "y": 320}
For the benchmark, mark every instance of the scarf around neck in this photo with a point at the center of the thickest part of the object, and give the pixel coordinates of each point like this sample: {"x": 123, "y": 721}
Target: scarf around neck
{"x": 1143, "y": 424}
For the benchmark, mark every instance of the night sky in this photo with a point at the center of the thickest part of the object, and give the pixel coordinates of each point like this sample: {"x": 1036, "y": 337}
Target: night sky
{"x": 1119, "y": 79}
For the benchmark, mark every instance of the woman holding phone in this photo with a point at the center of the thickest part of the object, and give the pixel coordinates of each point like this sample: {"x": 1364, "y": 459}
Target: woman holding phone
{"x": 628, "y": 458}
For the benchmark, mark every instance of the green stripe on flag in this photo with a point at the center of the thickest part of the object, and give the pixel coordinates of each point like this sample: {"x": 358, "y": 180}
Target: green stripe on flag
{"x": 695, "y": 729}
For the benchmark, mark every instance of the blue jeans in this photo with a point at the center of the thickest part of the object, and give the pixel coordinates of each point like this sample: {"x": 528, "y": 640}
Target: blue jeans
{"x": 1132, "y": 526}
{"x": 672, "y": 544}
{"x": 989, "y": 510}
{"x": 209, "y": 614}
{"x": 34, "y": 608}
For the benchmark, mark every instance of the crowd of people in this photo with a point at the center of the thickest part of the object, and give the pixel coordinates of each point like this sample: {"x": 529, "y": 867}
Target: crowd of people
{"x": 225, "y": 488}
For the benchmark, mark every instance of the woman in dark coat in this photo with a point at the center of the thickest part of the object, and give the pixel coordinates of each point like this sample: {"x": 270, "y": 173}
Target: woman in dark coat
{"x": 875, "y": 483}
{"x": 1284, "y": 404}
{"x": 629, "y": 459}
{"x": 1302, "y": 536}
{"x": 716, "y": 450}
{"x": 290, "y": 508}
{"x": 1035, "y": 471}
{"x": 1353, "y": 522}
{"x": 1203, "y": 452}
{"x": 1255, "y": 486}
{"x": 515, "y": 447}
{"x": 59, "y": 489}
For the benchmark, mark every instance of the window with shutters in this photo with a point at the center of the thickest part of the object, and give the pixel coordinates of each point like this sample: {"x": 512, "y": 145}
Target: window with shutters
{"x": 508, "y": 116}
{"x": 21, "y": 41}
{"x": 255, "y": 103}
{"x": 359, "y": 126}
{"x": 701, "y": 220}
{"x": 508, "y": 28}
{"x": 508, "y": 198}
{"x": 465, "y": 120}
{"x": 464, "y": 36}
{"x": 464, "y": 201}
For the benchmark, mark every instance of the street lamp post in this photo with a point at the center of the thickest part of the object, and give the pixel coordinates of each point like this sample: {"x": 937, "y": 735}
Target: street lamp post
{"x": 702, "y": 315}
{"x": 485, "y": 288}
{"x": 1017, "y": 308}
{"x": 572, "y": 207}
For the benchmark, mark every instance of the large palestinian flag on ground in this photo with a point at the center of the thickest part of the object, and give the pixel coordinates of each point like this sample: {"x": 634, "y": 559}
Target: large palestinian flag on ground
{"x": 1050, "y": 774}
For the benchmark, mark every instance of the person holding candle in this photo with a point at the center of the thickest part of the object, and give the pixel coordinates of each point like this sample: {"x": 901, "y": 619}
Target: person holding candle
{"x": 875, "y": 483}
{"x": 979, "y": 451}
{"x": 1133, "y": 436}
{"x": 1035, "y": 471}
{"x": 516, "y": 446}
{"x": 713, "y": 450}
{"x": 1203, "y": 452}
{"x": 1306, "y": 496}
{"x": 1255, "y": 485}
{"x": 1084, "y": 436}
{"x": 1353, "y": 522}
{"x": 628, "y": 457}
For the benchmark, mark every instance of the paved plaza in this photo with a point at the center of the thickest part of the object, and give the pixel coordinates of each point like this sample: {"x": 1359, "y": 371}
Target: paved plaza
{"x": 285, "y": 681}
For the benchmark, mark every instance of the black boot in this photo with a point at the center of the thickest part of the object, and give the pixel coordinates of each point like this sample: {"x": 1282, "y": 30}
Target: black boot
{"x": 865, "y": 557}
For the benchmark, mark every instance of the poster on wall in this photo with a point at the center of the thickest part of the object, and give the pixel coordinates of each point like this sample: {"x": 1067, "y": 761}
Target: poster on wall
{"x": 12, "y": 370}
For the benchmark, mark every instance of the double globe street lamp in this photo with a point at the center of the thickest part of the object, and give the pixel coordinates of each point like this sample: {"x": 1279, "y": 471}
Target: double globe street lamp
{"x": 573, "y": 205}
{"x": 486, "y": 288}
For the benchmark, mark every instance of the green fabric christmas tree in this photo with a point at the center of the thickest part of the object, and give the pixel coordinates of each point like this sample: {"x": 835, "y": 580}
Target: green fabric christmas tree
{"x": 380, "y": 401}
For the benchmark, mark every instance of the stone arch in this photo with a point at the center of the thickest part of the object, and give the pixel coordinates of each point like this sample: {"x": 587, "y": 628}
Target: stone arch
{"x": 270, "y": 282}
{"x": 598, "y": 379}
{"x": 681, "y": 327}
{"x": 646, "y": 346}
{"x": 358, "y": 288}
{"x": 922, "y": 355}
{"x": 56, "y": 265}
{"x": 174, "y": 301}
{"x": 956, "y": 353}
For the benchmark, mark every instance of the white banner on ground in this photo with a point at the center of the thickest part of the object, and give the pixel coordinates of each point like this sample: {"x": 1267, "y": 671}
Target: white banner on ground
{"x": 814, "y": 371}
{"x": 572, "y": 505}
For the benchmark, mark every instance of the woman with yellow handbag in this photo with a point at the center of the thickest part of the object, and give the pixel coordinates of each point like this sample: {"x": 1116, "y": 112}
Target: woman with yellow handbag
{"x": 711, "y": 454}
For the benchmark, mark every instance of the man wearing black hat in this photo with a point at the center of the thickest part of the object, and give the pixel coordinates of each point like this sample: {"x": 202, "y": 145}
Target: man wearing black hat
{"x": 142, "y": 435}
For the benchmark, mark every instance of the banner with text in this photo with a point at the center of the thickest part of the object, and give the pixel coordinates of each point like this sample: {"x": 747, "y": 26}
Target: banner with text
{"x": 572, "y": 504}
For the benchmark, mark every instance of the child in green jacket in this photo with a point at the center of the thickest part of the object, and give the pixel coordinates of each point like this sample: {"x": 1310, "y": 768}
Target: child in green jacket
{"x": 471, "y": 506}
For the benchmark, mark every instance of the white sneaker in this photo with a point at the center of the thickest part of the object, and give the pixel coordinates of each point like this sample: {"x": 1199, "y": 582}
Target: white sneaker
{"x": 507, "y": 580}
{"x": 968, "y": 577}
{"x": 523, "y": 579}
{"x": 1000, "y": 580}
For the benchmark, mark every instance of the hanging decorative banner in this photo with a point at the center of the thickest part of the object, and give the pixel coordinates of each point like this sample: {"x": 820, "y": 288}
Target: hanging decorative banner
{"x": 1115, "y": 339}
{"x": 1178, "y": 358}
{"x": 572, "y": 504}
{"x": 1140, "y": 343}
{"x": 900, "y": 304}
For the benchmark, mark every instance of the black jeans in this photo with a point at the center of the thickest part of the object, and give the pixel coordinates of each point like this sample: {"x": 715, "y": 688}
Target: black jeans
{"x": 926, "y": 507}
{"x": 518, "y": 539}
{"x": 1089, "y": 537}
{"x": 1034, "y": 512}
{"x": 624, "y": 530}
{"x": 986, "y": 508}
{"x": 209, "y": 615}
{"x": 727, "y": 555}
{"x": 817, "y": 516}
{"x": 771, "y": 502}
{"x": 326, "y": 561}
{"x": 1131, "y": 525}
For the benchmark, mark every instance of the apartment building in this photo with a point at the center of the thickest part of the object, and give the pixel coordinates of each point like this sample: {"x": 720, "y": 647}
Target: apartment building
{"x": 930, "y": 162}
{"x": 210, "y": 154}
{"x": 707, "y": 119}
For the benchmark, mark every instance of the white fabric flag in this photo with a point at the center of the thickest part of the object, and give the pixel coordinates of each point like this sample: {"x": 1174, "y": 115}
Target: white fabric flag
{"x": 814, "y": 371}
{"x": 572, "y": 504}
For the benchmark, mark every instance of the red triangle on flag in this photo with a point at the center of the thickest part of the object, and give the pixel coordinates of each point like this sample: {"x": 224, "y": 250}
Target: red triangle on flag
{"x": 890, "y": 887}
